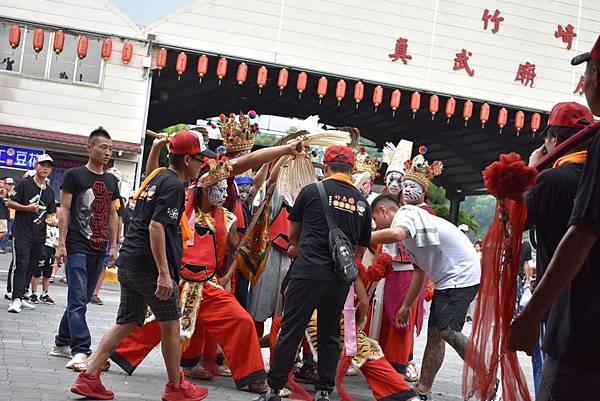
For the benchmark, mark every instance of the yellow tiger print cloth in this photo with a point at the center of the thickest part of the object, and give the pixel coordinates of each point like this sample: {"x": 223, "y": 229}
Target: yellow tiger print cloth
{"x": 367, "y": 349}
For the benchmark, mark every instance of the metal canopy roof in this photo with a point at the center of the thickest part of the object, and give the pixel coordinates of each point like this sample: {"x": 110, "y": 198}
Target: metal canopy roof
{"x": 464, "y": 150}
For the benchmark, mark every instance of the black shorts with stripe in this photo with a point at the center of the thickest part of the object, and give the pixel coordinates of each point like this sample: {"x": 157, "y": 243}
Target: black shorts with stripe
{"x": 449, "y": 307}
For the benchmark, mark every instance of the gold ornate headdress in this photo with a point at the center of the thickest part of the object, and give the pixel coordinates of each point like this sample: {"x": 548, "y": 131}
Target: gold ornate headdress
{"x": 214, "y": 171}
{"x": 238, "y": 134}
{"x": 419, "y": 170}
{"x": 364, "y": 163}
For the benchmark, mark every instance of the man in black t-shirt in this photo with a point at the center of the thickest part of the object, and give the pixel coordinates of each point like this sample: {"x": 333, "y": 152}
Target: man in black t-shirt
{"x": 33, "y": 201}
{"x": 87, "y": 223}
{"x": 549, "y": 206}
{"x": 575, "y": 265}
{"x": 149, "y": 264}
{"x": 313, "y": 282}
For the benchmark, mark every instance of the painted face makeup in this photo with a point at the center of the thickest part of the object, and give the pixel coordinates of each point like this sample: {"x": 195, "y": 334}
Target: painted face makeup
{"x": 412, "y": 191}
{"x": 364, "y": 188}
{"x": 217, "y": 193}
{"x": 244, "y": 191}
{"x": 393, "y": 182}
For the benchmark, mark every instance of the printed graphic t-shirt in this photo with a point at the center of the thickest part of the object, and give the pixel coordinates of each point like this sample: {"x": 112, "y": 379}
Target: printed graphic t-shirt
{"x": 352, "y": 214}
{"x": 93, "y": 196}
{"x": 162, "y": 202}
{"x": 27, "y": 225}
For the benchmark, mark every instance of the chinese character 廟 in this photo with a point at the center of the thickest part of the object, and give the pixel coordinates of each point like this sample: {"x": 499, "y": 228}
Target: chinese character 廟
{"x": 526, "y": 74}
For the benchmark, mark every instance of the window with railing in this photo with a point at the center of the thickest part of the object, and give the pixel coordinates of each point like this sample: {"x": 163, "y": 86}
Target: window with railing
{"x": 61, "y": 66}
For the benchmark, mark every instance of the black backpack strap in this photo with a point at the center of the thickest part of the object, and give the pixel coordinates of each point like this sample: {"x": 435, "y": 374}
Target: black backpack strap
{"x": 326, "y": 208}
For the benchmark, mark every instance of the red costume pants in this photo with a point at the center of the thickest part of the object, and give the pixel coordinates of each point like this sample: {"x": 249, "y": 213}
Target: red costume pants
{"x": 222, "y": 317}
{"x": 398, "y": 345}
{"x": 385, "y": 382}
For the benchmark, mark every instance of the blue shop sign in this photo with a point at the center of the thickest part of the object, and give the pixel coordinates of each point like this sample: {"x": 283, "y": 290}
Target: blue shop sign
{"x": 18, "y": 158}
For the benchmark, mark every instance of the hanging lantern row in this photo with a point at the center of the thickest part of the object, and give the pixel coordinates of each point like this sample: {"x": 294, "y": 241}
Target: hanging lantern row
{"x": 58, "y": 45}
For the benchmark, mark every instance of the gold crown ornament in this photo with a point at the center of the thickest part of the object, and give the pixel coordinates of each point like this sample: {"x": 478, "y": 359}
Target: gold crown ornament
{"x": 214, "y": 171}
{"x": 238, "y": 134}
{"x": 419, "y": 170}
{"x": 365, "y": 164}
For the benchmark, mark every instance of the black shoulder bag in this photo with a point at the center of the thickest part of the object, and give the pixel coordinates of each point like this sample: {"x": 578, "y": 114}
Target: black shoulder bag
{"x": 342, "y": 251}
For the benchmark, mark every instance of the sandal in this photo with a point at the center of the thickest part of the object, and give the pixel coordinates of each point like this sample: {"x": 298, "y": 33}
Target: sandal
{"x": 198, "y": 372}
{"x": 285, "y": 392}
{"x": 412, "y": 374}
{"x": 259, "y": 386}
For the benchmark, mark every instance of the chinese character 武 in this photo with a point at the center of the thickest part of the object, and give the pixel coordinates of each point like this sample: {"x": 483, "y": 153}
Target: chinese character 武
{"x": 21, "y": 159}
{"x": 526, "y": 74}
{"x": 400, "y": 51}
{"x": 567, "y": 34}
{"x": 461, "y": 61}
{"x": 496, "y": 19}
{"x": 579, "y": 87}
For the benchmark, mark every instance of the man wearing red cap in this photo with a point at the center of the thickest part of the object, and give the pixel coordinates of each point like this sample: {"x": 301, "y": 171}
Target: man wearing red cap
{"x": 549, "y": 206}
{"x": 571, "y": 367}
{"x": 149, "y": 264}
{"x": 313, "y": 284}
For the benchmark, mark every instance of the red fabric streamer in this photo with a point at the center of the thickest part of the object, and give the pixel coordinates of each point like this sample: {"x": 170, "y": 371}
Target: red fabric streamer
{"x": 507, "y": 180}
{"x": 343, "y": 366}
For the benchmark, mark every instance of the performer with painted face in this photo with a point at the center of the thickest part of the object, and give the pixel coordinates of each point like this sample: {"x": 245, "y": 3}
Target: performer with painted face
{"x": 417, "y": 179}
{"x": 365, "y": 172}
{"x": 395, "y": 156}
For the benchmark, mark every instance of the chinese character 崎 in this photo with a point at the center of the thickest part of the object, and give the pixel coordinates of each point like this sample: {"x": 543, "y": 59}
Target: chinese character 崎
{"x": 567, "y": 34}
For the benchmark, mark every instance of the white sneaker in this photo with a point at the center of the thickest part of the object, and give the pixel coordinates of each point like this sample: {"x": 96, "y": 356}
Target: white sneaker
{"x": 27, "y": 305}
{"x": 62, "y": 351}
{"x": 352, "y": 371}
{"x": 15, "y": 306}
{"x": 77, "y": 360}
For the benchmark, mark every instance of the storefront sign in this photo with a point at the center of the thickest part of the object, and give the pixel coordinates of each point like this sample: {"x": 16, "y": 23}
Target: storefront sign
{"x": 18, "y": 158}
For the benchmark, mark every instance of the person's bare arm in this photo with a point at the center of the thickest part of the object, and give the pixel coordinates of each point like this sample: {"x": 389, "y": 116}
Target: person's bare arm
{"x": 363, "y": 302}
{"x": 416, "y": 285}
{"x": 359, "y": 252}
{"x": 154, "y": 155}
{"x": 164, "y": 284}
{"x": 113, "y": 233}
{"x": 389, "y": 235}
{"x": 263, "y": 156}
{"x": 232, "y": 239}
{"x": 11, "y": 204}
{"x": 63, "y": 225}
{"x": 294, "y": 233}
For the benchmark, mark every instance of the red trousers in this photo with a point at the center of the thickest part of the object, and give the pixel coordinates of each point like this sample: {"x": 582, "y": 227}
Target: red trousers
{"x": 221, "y": 317}
{"x": 385, "y": 382}
{"x": 398, "y": 345}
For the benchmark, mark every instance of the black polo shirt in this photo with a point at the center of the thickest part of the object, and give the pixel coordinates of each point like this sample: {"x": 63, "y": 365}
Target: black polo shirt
{"x": 352, "y": 214}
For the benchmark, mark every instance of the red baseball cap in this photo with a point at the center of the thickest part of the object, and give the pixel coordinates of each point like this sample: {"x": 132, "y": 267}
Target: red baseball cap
{"x": 569, "y": 115}
{"x": 593, "y": 54}
{"x": 189, "y": 143}
{"x": 339, "y": 154}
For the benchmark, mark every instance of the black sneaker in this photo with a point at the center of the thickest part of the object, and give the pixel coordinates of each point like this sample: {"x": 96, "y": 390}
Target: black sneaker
{"x": 271, "y": 395}
{"x": 34, "y": 299}
{"x": 46, "y": 299}
{"x": 322, "y": 396}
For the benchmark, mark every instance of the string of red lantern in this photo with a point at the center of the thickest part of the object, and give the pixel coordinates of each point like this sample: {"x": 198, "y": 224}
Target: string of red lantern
{"x": 202, "y": 67}
{"x": 450, "y": 109}
{"x": 519, "y": 121}
{"x": 536, "y": 120}
{"x": 59, "y": 42}
{"x": 467, "y": 111}
{"x": 242, "y": 73}
{"x": 301, "y": 83}
{"x": 181, "y": 64}
{"x": 434, "y": 105}
{"x": 14, "y": 37}
{"x": 377, "y": 96}
{"x": 127, "y": 53}
{"x": 415, "y": 103}
{"x": 282, "y": 80}
{"x": 106, "y": 50}
{"x": 38, "y": 41}
{"x": 261, "y": 78}
{"x": 322, "y": 88}
{"x": 161, "y": 59}
{"x": 395, "y": 101}
{"x": 484, "y": 114}
{"x": 82, "y": 47}
{"x": 340, "y": 91}
{"x": 221, "y": 69}
{"x": 502, "y": 118}
{"x": 359, "y": 92}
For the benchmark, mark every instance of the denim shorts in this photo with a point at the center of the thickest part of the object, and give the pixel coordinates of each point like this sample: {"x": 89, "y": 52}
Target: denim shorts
{"x": 138, "y": 287}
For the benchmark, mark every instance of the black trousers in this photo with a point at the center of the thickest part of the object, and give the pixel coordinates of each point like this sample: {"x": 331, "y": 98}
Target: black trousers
{"x": 301, "y": 299}
{"x": 26, "y": 255}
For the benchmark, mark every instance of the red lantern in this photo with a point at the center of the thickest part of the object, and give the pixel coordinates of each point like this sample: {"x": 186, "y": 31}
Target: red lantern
{"x": 359, "y": 92}
{"x": 127, "y": 53}
{"x": 82, "y": 47}
{"x": 181, "y": 64}
{"x": 261, "y": 78}
{"x": 161, "y": 59}
{"x": 415, "y": 103}
{"x": 14, "y": 37}
{"x": 202, "y": 67}
{"x": 340, "y": 90}
{"x": 282, "y": 80}
{"x": 242, "y": 73}
{"x": 221, "y": 69}
{"x": 434, "y": 105}
{"x": 59, "y": 42}
{"x": 536, "y": 120}
{"x": 301, "y": 83}
{"x": 484, "y": 114}
{"x": 502, "y": 118}
{"x": 322, "y": 88}
{"x": 467, "y": 111}
{"x": 106, "y": 50}
{"x": 38, "y": 40}
{"x": 450, "y": 109}
{"x": 377, "y": 96}
{"x": 519, "y": 121}
{"x": 395, "y": 101}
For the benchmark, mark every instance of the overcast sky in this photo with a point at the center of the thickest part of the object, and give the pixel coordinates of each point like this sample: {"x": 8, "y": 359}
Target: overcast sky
{"x": 143, "y": 12}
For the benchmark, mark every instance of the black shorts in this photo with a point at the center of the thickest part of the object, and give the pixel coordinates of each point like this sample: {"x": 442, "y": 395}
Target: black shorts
{"x": 138, "y": 285}
{"x": 449, "y": 307}
{"x": 45, "y": 263}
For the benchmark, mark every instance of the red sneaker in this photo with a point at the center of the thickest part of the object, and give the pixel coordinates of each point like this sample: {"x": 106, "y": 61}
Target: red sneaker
{"x": 184, "y": 391}
{"x": 91, "y": 387}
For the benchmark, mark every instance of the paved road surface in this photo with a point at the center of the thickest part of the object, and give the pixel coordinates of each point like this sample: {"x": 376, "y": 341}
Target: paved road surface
{"x": 27, "y": 372}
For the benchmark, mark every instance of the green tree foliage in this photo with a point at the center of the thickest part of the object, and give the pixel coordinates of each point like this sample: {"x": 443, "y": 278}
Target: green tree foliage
{"x": 482, "y": 208}
{"x": 441, "y": 205}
